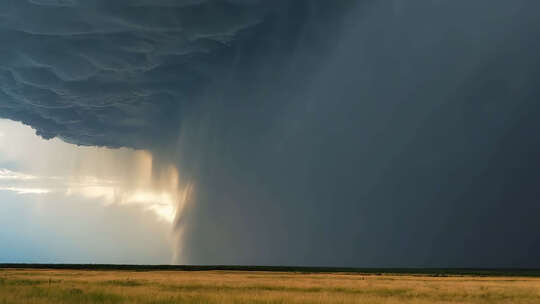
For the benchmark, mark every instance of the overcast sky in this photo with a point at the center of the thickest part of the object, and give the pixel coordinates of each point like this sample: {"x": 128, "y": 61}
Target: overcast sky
{"x": 305, "y": 132}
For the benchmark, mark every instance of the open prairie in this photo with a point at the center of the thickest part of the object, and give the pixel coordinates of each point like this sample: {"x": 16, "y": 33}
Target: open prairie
{"x": 44, "y": 286}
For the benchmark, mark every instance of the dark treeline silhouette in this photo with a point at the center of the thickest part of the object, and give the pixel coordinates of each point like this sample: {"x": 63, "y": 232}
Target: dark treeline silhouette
{"x": 300, "y": 269}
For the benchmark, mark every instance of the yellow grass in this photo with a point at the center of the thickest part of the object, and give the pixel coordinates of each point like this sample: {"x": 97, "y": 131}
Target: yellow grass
{"x": 162, "y": 287}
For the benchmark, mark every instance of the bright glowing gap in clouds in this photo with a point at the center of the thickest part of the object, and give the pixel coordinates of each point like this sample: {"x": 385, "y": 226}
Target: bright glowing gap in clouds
{"x": 113, "y": 176}
{"x": 25, "y": 190}
{"x": 146, "y": 192}
{"x": 6, "y": 174}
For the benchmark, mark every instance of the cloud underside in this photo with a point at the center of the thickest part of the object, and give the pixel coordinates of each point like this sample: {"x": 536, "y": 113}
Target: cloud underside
{"x": 126, "y": 73}
{"x": 116, "y": 73}
{"x": 367, "y": 133}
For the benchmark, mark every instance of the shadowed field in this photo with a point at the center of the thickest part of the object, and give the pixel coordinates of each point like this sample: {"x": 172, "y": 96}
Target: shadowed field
{"x": 41, "y": 286}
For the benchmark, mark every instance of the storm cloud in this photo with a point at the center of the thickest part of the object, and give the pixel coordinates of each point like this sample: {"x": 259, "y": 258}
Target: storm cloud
{"x": 358, "y": 133}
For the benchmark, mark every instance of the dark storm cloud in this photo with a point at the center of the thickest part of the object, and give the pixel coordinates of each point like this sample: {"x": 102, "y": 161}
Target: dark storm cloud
{"x": 363, "y": 133}
{"x": 115, "y": 73}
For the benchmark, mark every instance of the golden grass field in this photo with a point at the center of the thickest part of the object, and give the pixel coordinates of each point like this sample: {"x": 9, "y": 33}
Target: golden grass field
{"x": 162, "y": 287}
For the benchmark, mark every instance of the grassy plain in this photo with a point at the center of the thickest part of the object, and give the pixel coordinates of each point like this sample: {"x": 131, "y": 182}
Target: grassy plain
{"x": 45, "y": 286}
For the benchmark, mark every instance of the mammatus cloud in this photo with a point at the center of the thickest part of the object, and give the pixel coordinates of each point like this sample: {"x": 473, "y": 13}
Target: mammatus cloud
{"x": 367, "y": 133}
